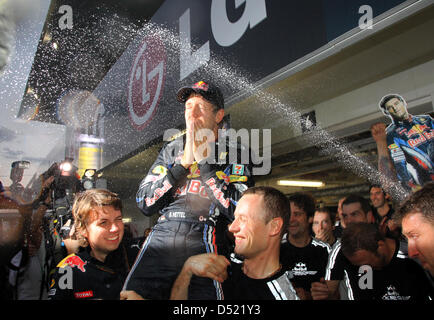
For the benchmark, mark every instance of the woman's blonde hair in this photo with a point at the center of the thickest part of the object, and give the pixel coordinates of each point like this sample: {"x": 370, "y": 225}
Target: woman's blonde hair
{"x": 85, "y": 202}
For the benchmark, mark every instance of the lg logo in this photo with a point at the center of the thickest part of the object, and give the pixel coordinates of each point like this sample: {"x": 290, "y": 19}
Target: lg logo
{"x": 146, "y": 81}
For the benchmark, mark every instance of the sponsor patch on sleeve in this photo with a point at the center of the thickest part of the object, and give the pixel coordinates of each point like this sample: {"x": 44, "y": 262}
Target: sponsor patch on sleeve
{"x": 159, "y": 170}
{"x": 238, "y": 169}
{"x": 222, "y": 176}
{"x": 235, "y": 178}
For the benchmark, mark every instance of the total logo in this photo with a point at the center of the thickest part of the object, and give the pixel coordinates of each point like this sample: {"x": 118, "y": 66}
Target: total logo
{"x": 146, "y": 81}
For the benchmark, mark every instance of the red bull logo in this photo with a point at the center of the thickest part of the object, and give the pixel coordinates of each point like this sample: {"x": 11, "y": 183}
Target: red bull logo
{"x": 416, "y": 129}
{"x": 73, "y": 261}
{"x": 201, "y": 85}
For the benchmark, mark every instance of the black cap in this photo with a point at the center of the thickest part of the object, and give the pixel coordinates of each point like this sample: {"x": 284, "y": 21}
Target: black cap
{"x": 207, "y": 90}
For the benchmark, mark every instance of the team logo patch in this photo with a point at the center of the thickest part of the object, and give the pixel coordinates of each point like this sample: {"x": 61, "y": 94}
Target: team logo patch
{"x": 194, "y": 171}
{"x": 84, "y": 294}
{"x": 393, "y": 294}
{"x": 201, "y": 85}
{"x": 73, "y": 261}
{"x": 238, "y": 169}
{"x": 235, "y": 178}
{"x": 159, "y": 170}
{"x": 222, "y": 176}
{"x": 300, "y": 269}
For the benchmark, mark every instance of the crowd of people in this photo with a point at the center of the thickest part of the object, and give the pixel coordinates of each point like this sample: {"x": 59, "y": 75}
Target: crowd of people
{"x": 219, "y": 236}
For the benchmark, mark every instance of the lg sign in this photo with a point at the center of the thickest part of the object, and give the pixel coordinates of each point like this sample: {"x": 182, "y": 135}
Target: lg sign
{"x": 146, "y": 82}
{"x": 147, "y": 74}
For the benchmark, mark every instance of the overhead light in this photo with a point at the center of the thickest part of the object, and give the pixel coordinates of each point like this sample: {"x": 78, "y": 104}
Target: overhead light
{"x": 126, "y": 220}
{"x": 301, "y": 183}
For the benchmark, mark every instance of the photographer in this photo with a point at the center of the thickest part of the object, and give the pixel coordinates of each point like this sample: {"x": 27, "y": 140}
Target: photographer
{"x": 42, "y": 246}
{"x": 100, "y": 267}
{"x": 27, "y": 267}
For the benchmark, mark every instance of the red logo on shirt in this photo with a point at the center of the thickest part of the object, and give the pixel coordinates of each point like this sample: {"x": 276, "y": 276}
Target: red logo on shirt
{"x": 84, "y": 294}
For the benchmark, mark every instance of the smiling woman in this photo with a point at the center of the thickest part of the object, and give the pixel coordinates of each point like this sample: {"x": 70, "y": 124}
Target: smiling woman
{"x": 98, "y": 270}
{"x": 104, "y": 231}
{"x": 95, "y": 207}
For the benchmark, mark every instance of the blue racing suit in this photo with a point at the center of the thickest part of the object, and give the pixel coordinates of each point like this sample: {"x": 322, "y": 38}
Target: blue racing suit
{"x": 411, "y": 146}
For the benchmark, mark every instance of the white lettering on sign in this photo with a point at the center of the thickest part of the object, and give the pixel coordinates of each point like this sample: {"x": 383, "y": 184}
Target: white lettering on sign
{"x": 225, "y": 32}
{"x": 190, "y": 61}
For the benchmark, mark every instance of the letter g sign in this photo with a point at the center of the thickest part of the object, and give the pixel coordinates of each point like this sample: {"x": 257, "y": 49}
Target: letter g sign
{"x": 225, "y": 32}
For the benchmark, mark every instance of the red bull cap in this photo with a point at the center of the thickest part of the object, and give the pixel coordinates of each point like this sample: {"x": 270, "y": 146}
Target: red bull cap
{"x": 206, "y": 89}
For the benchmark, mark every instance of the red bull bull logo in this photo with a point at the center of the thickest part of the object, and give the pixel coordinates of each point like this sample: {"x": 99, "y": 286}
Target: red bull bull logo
{"x": 201, "y": 85}
{"x": 73, "y": 261}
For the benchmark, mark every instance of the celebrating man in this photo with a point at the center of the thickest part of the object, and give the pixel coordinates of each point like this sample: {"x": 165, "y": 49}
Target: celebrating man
{"x": 194, "y": 187}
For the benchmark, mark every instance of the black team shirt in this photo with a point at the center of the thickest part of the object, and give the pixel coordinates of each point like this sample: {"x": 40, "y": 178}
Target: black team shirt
{"x": 401, "y": 279}
{"x": 307, "y": 264}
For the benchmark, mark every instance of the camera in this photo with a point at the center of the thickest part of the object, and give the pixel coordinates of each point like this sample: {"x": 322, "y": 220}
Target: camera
{"x": 63, "y": 188}
{"x": 21, "y": 164}
{"x": 63, "y": 216}
{"x": 65, "y": 178}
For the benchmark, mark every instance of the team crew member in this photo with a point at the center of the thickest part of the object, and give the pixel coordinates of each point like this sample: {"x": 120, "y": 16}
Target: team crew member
{"x": 323, "y": 226}
{"x": 195, "y": 191}
{"x": 303, "y": 255}
{"x": 391, "y": 276}
{"x": 383, "y": 212}
{"x": 417, "y": 219}
{"x": 99, "y": 270}
{"x": 354, "y": 209}
{"x": 261, "y": 218}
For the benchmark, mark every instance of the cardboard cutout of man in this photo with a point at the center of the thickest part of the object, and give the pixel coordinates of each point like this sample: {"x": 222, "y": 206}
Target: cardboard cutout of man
{"x": 408, "y": 143}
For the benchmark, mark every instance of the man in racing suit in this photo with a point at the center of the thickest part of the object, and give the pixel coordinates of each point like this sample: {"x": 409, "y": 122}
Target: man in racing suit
{"x": 409, "y": 140}
{"x": 195, "y": 192}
